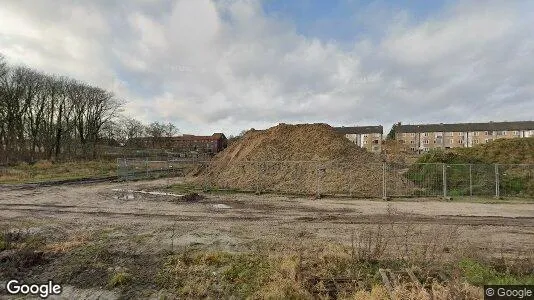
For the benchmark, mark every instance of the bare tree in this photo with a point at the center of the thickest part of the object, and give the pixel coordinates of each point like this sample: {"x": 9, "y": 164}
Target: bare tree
{"x": 170, "y": 130}
{"x": 156, "y": 131}
{"x": 44, "y": 116}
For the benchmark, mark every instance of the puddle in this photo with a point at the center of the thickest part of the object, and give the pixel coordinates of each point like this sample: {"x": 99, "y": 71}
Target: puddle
{"x": 221, "y": 206}
{"x": 131, "y": 192}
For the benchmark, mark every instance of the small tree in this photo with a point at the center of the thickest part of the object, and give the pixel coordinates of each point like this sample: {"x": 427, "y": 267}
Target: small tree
{"x": 391, "y": 134}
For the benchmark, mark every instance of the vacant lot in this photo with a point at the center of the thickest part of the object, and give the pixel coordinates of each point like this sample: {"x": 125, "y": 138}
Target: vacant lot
{"x": 107, "y": 239}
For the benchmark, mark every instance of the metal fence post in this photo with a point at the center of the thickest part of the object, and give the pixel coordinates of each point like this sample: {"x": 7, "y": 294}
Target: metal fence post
{"x": 497, "y": 190}
{"x": 444, "y": 167}
{"x": 146, "y": 166}
{"x": 318, "y": 183}
{"x": 258, "y": 179}
{"x": 384, "y": 187}
{"x": 471, "y": 180}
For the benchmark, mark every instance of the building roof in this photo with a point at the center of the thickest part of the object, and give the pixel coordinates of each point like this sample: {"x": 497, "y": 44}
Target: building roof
{"x": 464, "y": 127}
{"x": 359, "y": 129}
{"x": 185, "y": 137}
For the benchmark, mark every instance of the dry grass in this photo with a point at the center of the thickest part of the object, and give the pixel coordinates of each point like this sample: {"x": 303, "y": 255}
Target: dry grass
{"x": 309, "y": 269}
{"x": 48, "y": 171}
{"x": 68, "y": 245}
{"x": 314, "y": 271}
{"x": 304, "y": 268}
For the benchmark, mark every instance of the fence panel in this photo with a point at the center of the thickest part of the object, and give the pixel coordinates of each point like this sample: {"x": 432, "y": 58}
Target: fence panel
{"x": 483, "y": 179}
{"x": 515, "y": 180}
{"x": 419, "y": 180}
{"x": 339, "y": 178}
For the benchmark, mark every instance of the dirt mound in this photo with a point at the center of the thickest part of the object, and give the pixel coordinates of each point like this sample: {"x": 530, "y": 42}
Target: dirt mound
{"x": 295, "y": 142}
{"x": 301, "y": 159}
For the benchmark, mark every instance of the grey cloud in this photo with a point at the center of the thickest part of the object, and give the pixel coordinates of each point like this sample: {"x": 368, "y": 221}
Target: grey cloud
{"x": 225, "y": 65}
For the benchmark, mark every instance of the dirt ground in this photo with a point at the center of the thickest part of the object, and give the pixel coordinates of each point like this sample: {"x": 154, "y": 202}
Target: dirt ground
{"x": 234, "y": 221}
{"x": 95, "y": 206}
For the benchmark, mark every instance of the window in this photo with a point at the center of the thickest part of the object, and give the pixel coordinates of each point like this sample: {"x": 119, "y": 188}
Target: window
{"x": 412, "y": 148}
{"x": 365, "y": 135}
{"x": 404, "y": 134}
{"x": 516, "y": 132}
{"x": 476, "y": 133}
{"x": 375, "y": 141}
{"x": 425, "y": 142}
{"x": 476, "y": 141}
{"x": 401, "y": 141}
{"x": 451, "y": 141}
{"x": 460, "y": 141}
{"x": 488, "y": 132}
{"x": 411, "y": 142}
{"x": 460, "y": 133}
{"x": 425, "y": 134}
{"x": 365, "y": 142}
{"x": 413, "y": 133}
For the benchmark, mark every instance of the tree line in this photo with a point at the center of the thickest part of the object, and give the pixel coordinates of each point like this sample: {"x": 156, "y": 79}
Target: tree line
{"x": 44, "y": 116}
{"x": 125, "y": 131}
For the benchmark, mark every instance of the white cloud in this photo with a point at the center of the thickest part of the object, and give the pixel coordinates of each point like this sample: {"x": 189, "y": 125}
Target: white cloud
{"x": 227, "y": 66}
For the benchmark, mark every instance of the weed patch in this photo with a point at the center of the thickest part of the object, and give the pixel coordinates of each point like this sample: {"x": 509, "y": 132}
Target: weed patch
{"x": 479, "y": 273}
{"x": 119, "y": 279}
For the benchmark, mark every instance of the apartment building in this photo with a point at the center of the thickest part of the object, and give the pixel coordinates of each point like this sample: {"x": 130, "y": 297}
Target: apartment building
{"x": 424, "y": 137}
{"x": 367, "y": 137}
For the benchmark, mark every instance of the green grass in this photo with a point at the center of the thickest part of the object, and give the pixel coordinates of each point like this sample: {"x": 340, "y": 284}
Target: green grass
{"x": 119, "y": 279}
{"x": 48, "y": 171}
{"x": 465, "y": 165}
{"x": 478, "y": 273}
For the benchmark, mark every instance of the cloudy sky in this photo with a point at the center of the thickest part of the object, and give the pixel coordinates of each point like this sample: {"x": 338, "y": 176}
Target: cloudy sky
{"x": 225, "y": 65}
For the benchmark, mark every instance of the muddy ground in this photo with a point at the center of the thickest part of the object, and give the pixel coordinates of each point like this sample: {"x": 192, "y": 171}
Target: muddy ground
{"x": 143, "y": 226}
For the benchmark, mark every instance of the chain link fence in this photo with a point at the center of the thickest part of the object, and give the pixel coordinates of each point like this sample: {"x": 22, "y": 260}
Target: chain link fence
{"x": 338, "y": 178}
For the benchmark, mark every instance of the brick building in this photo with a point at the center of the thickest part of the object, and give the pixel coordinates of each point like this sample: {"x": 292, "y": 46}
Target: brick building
{"x": 204, "y": 144}
{"x": 424, "y": 137}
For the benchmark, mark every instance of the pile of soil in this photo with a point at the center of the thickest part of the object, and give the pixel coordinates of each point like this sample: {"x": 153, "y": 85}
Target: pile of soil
{"x": 301, "y": 158}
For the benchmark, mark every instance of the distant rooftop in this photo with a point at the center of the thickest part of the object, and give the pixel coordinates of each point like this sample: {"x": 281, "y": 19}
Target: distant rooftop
{"x": 359, "y": 129}
{"x": 464, "y": 127}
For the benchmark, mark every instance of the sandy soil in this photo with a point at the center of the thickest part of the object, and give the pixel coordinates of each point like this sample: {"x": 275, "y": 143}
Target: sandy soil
{"x": 491, "y": 227}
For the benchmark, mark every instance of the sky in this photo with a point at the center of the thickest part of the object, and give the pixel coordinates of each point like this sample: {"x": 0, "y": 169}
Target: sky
{"x": 228, "y": 65}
